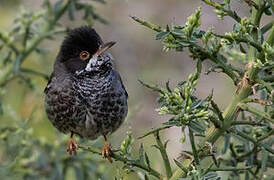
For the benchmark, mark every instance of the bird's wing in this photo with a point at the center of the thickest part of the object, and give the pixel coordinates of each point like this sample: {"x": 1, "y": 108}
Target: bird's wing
{"x": 48, "y": 85}
{"x": 118, "y": 77}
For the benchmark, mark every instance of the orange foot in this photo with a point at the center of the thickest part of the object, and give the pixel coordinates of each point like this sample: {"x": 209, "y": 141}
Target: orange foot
{"x": 72, "y": 145}
{"x": 106, "y": 150}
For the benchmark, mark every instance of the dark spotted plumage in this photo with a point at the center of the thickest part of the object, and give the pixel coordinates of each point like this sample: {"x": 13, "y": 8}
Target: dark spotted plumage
{"x": 85, "y": 97}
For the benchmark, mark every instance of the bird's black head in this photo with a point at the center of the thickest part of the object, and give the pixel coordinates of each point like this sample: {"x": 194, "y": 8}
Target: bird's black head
{"x": 83, "y": 53}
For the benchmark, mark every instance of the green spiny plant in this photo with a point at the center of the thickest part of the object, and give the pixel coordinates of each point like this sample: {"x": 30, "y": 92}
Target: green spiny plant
{"x": 247, "y": 139}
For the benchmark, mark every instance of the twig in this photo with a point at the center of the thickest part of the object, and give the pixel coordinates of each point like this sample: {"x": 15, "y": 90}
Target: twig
{"x": 245, "y": 136}
{"x": 231, "y": 168}
{"x": 251, "y": 3}
{"x": 256, "y": 16}
{"x": 228, "y": 70}
{"x": 259, "y": 101}
{"x": 8, "y": 43}
{"x": 162, "y": 149}
{"x": 270, "y": 37}
{"x": 155, "y": 130}
{"x": 252, "y": 43}
{"x": 255, "y": 111}
{"x": 217, "y": 110}
{"x": 194, "y": 150}
{"x": 230, "y": 13}
{"x": 251, "y": 123}
{"x": 241, "y": 158}
{"x": 270, "y": 162}
{"x": 30, "y": 71}
{"x": 117, "y": 157}
{"x": 266, "y": 27}
{"x": 270, "y": 133}
{"x": 147, "y": 24}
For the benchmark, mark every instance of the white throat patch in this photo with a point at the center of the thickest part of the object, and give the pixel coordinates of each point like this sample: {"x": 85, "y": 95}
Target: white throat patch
{"x": 92, "y": 62}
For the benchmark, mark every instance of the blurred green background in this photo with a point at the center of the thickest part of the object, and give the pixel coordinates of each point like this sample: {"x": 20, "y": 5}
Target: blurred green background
{"x": 137, "y": 56}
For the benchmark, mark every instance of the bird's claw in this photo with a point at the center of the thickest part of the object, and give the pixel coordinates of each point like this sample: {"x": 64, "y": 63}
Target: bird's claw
{"x": 106, "y": 151}
{"x": 72, "y": 146}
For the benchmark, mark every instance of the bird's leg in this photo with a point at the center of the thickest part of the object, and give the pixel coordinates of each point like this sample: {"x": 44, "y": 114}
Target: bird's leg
{"x": 72, "y": 145}
{"x": 106, "y": 150}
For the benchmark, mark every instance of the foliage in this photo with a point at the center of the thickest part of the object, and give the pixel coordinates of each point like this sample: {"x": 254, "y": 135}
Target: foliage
{"x": 246, "y": 130}
{"x": 30, "y": 29}
{"x": 248, "y": 139}
{"x": 43, "y": 160}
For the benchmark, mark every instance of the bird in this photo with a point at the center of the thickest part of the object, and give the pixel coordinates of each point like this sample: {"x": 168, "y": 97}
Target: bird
{"x": 85, "y": 95}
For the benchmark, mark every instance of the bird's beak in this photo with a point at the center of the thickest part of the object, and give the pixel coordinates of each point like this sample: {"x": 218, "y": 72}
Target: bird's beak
{"x": 101, "y": 50}
{"x": 104, "y": 48}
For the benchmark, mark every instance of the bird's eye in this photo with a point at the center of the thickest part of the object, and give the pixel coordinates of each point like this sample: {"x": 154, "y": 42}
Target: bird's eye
{"x": 84, "y": 55}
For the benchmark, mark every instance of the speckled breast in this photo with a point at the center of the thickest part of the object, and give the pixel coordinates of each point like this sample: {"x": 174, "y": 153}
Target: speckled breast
{"x": 88, "y": 107}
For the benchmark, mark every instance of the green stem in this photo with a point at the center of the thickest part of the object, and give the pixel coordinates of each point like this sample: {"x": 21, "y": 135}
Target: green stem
{"x": 9, "y": 44}
{"x": 246, "y": 123}
{"x": 270, "y": 133}
{"x": 269, "y": 40}
{"x": 226, "y": 68}
{"x": 117, "y": 157}
{"x": 30, "y": 71}
{"x": 154, "y": 130}
{"x": 26, "y": 34}
{"x": 229, "y": 116}
{"x": 253, "y": 43}
{"x": 259, "y": 101}
{"x": 231, "y": 168}
{"x": 255, "y": 111}
{"x": 230, "y": 112}
{"x": 162, "y": 149}
{"x": 194, "y": 150}
{"x": 147, "y": 24}
{"x": 227, "y": 11}
{"x": 269, "y": 163}
{"x": 257, "y": 15}
{"x": 178, "y": 174}
{"x": 242, "y": 157}
{"x": 256, "y": 18}
{"x": 270, "y": 37}
{"x": 254, "y": 141}
{"x": 6, "y": 75}
{"x": 267, "y": 27}
{"x": 182, "y": 171}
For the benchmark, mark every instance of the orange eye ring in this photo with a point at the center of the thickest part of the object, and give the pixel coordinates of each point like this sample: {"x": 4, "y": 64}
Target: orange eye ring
{"x": 84, "y": 55}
